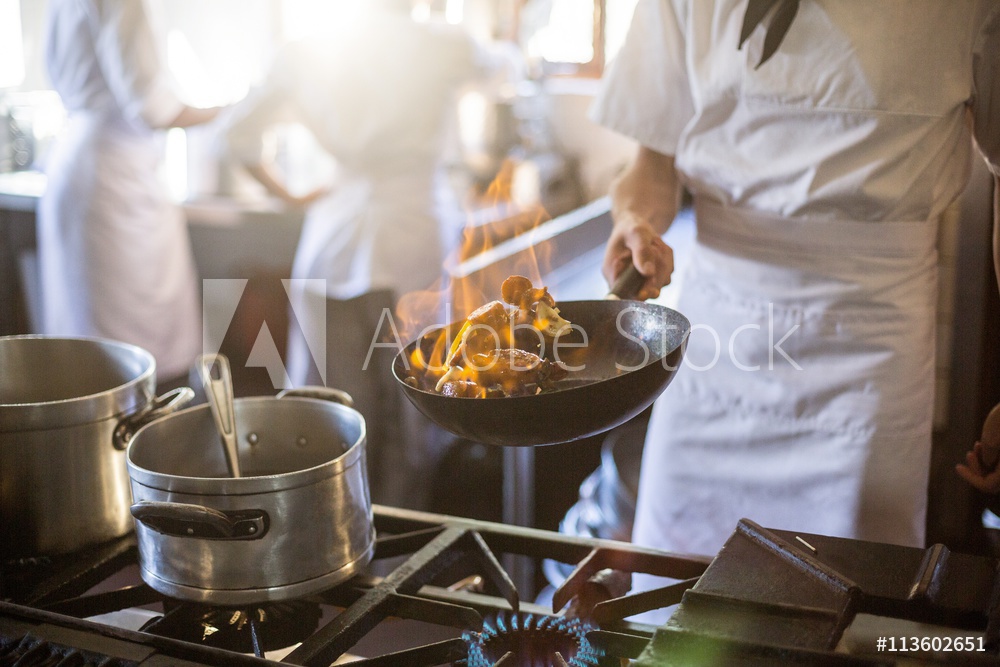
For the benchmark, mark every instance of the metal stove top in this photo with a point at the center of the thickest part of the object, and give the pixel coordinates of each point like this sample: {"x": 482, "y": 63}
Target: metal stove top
{"x": 438, "y": 594}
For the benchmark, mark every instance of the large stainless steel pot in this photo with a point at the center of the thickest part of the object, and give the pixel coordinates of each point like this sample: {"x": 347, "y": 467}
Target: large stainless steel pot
{"x": 299, "y": 519}
{"x": 67, "y": 409}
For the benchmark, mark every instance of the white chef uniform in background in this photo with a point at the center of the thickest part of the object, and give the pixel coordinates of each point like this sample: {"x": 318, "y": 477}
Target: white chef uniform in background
{"x": 114, "y": 255}
{"x": 818, "y": 179}
{"x": 377, "y": 93}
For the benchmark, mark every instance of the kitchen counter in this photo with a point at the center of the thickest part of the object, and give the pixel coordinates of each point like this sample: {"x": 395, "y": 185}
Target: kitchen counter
{"x": 230, "y": 239}
{"x": 20, "y": 190}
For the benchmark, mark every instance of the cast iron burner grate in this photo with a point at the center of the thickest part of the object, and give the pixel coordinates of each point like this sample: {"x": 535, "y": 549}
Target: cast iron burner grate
{"x": 30, "y": 651}
{"x": 769, "y": 597}
{"x": 528, "y": 640}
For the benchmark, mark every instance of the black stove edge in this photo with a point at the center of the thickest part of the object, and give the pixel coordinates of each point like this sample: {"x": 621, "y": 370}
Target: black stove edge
{"x": 734, "y": 619}
{"x": 523, "y": 539}
{"x": 129, "y": 646}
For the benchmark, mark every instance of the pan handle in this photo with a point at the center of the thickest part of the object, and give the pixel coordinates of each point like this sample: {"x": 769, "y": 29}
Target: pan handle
{"x": 627, "y": 283}
{"x": 198, "y": 521}
{"x": 172, "y": 401}
{"x": 323, "y": 393}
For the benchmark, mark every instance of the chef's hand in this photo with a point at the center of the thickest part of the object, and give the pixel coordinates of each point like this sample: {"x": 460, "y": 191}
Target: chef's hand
{"x": 980, "y": 468}
{"x": 644, "y": 201}
{"x": 303, "y": 201}
{"x": 268, "y": 176}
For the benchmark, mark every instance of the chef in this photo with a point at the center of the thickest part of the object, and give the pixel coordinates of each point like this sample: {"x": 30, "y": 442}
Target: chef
{"x": 377, "y": 92}
{"x": 818, "y": 172}
{"x": 114, "y": 255}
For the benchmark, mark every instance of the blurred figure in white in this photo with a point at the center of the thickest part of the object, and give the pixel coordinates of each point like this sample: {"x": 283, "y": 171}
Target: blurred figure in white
{"x": 378, "y": 92}
{"x": 114, "y": 254}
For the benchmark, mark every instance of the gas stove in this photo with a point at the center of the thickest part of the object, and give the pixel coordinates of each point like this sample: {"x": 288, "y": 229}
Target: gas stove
{"x": 437, "y": 593}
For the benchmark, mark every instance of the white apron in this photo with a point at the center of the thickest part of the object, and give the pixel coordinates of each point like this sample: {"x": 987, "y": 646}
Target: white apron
{"x": 805, "y": 400}
{"x": 114, "y": 256}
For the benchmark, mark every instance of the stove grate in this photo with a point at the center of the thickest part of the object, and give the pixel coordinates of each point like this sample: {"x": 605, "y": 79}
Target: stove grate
{"x": 31, "y": 651}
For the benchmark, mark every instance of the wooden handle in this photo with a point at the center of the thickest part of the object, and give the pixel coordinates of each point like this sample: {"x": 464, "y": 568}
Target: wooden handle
{"x": 627, "y": 283}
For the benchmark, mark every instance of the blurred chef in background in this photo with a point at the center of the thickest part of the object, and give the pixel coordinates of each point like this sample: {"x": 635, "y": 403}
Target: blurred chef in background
{"x": 819, "y": 171}
{"x": 378, "y": 92}
{"x": 114, "y": 255}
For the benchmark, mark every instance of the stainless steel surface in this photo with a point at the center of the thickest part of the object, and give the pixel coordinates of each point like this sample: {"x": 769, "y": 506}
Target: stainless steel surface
{"x": 218, "y": 382}
{"x": 64, "y": 483}
{"x": 304, "y": 478}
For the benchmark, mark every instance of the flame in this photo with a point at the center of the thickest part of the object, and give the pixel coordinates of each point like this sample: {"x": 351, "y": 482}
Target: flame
{"x": 495, "y": 243}
{"x": 532, "y": 640}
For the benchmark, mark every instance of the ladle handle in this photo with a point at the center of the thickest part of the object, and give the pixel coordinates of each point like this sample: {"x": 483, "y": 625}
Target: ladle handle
{"x": 219, "y": 390}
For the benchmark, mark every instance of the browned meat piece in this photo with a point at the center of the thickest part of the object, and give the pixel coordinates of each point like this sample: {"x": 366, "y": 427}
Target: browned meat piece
{"x": 490, "y": 357}
{"x": 494, "y": 314}
{"x": 462, "y": 389}
{"x": 487, "y": 328}
{"x": 517, "y": 372}
{"x": 518, "y": 291}
{"x": 536, "y": 309}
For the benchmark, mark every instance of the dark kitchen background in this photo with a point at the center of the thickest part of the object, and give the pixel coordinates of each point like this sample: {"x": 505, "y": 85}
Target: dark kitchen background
{"x": 533, "y": 132}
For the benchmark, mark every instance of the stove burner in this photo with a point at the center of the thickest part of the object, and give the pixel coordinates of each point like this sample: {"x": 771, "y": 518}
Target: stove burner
{"x": 255, "y": 629}
{"x": 527, "y": 640}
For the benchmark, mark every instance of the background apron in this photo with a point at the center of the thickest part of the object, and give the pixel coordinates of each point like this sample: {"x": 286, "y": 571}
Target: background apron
{"x": 805, "y": 400}
{"x": 115, "y": 259}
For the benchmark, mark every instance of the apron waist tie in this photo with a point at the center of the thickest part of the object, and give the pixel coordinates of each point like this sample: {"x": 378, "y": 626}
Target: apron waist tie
{"x": 725, "y": 227}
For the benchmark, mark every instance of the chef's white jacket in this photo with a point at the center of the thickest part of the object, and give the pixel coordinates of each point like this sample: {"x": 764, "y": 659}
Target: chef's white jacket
{"x": 377, "y": 93}
{"x": 805, "y": 402}
{"x": 114, "y": 256}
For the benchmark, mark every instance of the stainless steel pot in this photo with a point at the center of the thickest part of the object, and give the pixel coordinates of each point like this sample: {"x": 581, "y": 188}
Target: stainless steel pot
{"x": 298, "y": 521}
{"x": 67, "y": 409}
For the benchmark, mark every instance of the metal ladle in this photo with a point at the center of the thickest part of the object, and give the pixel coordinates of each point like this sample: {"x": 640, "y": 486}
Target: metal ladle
{"x": 218, "y": 383}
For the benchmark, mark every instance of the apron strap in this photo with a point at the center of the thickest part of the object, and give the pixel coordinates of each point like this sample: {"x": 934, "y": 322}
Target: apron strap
{"x": 728, "y": 227}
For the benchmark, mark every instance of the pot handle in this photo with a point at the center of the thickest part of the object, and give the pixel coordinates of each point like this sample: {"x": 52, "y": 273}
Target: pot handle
{"x": 172, "y": 401}
{"x": 188, "y": 520}
{"x": 317, "y": 391}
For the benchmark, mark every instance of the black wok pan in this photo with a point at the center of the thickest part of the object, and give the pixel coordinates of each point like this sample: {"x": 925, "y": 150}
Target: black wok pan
{"x": 645, "y": 340}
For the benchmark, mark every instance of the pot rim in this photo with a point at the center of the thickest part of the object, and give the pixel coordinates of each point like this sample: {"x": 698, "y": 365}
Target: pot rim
{"x": 229, "y": 486}
{"x": 115, "y": 402}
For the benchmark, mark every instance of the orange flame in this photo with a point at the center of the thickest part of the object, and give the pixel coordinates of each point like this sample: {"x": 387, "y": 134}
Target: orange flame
{"x": 493, "y": 246}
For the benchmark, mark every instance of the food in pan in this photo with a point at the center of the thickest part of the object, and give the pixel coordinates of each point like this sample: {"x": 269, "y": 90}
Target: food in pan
{"x": 497, "y": 351}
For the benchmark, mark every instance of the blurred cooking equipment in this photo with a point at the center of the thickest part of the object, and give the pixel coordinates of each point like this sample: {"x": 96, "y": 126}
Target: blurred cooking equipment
{"x": 218, "y": 382}
{"x": 298, "y": 521}
{"x": 67, "y": 408}
{"x": 29, "y": 122}
{"x": 508, "y": 136}
{"x": 631, "y": 352}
